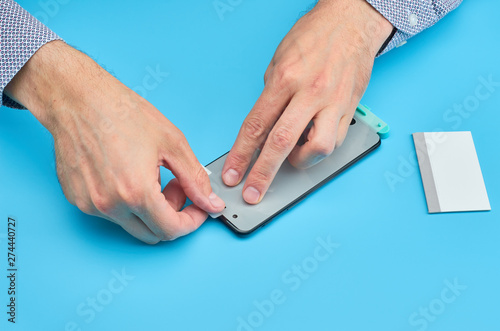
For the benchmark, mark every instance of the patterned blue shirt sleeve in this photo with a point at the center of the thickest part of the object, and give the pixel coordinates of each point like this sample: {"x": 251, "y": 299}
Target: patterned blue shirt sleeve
{"x": 410, "y": 17}
{"x": 21, "y": 35}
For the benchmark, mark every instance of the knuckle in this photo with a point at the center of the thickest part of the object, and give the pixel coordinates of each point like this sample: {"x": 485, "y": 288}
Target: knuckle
{"x": 322, "y": 147}
{"x": 178, "y": 136}
{"x": 319, "y": 84}
{"x": 260, "y": 177}
{"x": 238, "y": 160}
{"x": 132, "y": 195}
{"x": 102, "y": 203}
{"x": 174, "y": 141}
{"x": 201, "y": 177}
{"x": 84, "y": 205}
{"x": 286, "y": 74}
{"x": 254, "y": 128}
{"x": 282, "y": 139}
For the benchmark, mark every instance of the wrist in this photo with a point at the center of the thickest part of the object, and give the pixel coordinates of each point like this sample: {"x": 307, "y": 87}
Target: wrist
{"x": 367, "y": 28}
{"x": 57, "y": 77}
{"x": 377, "y": 27}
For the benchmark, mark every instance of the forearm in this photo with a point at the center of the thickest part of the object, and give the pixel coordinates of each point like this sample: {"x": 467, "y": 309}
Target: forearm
{"x": 21, "y": 35}
{"x": 39, "y": 84}
{"x": 56, "y": 77}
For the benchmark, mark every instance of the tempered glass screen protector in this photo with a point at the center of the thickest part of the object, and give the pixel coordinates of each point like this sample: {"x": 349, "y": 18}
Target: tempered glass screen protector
{"x": 290, "y": 184}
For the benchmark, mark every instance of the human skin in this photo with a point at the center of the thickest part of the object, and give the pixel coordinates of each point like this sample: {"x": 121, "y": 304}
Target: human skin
{"x": 318, "y": 74}
{"x": 110, "y": 144}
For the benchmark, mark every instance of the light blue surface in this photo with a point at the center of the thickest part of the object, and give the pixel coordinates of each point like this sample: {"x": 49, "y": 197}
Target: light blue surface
{"x": 393, "y": 257}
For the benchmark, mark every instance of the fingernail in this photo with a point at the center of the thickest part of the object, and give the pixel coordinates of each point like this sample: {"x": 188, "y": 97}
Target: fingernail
{"x": 231, "y": 177}
{"x": 216, "y": 201}
{"x": 251, "y": 195}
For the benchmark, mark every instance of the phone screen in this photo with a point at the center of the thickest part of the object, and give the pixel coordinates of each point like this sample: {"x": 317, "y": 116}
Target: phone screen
{"x": 290, "y": 184}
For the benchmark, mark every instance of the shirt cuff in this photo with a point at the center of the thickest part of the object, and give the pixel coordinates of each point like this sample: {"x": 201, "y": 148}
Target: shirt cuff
{"x": 21, "y": 36}
{"x": 411, "y": 17}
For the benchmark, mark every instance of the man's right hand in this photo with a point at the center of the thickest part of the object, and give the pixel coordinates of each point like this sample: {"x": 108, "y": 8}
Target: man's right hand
{"x": 110, "y": 144}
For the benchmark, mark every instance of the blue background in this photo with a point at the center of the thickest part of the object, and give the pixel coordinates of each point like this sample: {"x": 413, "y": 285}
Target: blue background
{"x": 393, "y": 259}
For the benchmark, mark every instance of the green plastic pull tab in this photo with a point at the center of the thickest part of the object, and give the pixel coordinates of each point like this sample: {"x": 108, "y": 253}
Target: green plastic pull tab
{"x": 363, "y": 113}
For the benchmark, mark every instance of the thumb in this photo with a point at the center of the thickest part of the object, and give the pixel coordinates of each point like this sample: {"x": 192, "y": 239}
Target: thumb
{"x": 194, "y": 180}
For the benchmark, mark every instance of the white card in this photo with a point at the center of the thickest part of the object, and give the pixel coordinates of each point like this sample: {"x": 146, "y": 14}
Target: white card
{"x": 450, "y": 172}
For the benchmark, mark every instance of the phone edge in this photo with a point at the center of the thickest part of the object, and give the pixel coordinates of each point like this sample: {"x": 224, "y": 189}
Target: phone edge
{"x": 298, "y": 199}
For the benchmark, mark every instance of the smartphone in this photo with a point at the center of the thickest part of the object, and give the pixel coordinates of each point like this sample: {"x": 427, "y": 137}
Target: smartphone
{"x": 290, "y": 185}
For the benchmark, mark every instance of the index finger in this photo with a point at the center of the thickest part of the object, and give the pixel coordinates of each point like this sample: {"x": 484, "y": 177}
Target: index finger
{"x": 282, "y": 139}
{"x": 254, "y": 131}
{"x": 163, "y": 216}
